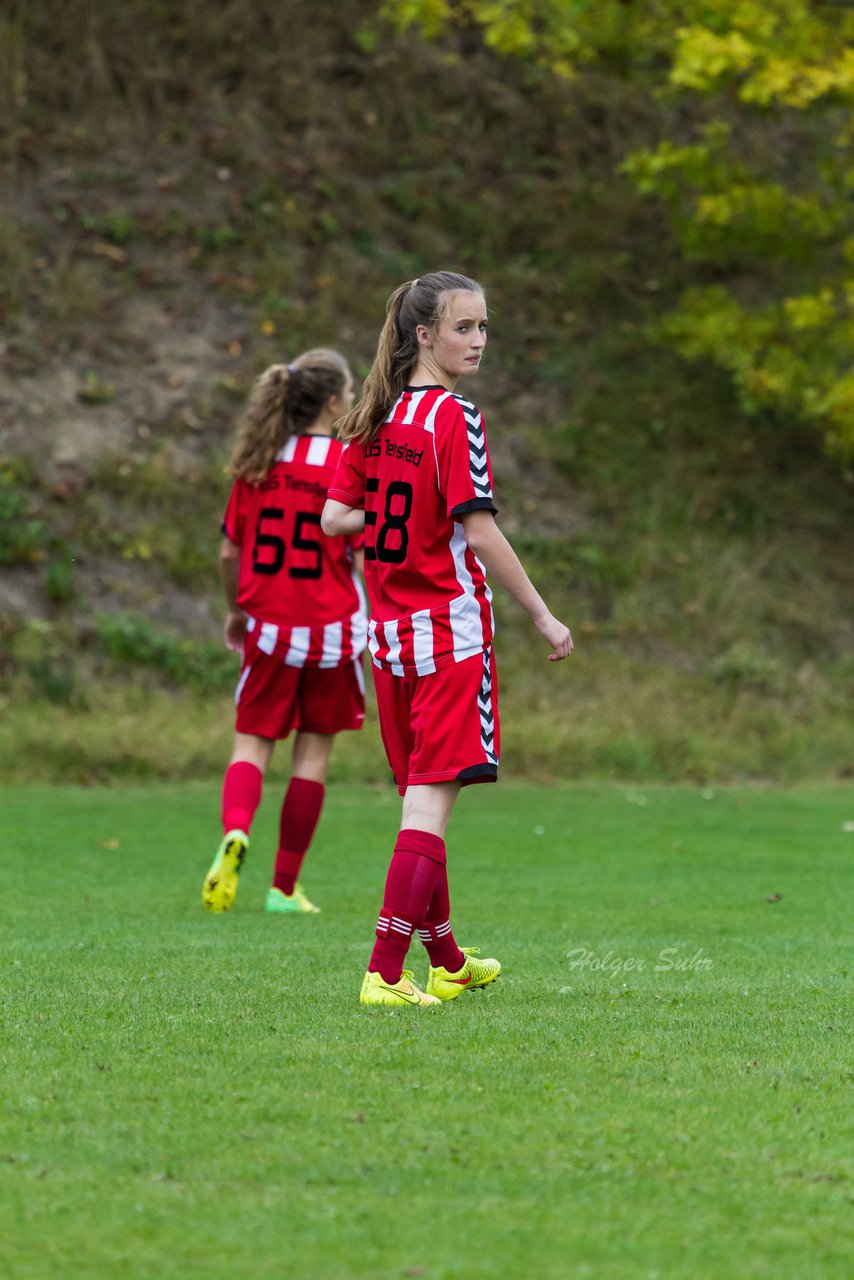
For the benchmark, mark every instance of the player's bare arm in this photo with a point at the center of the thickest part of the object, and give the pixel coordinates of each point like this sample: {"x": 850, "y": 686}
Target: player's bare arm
{"x": 338, "y": 519}
{"x": 503, "y": 566}
{"x": 234, "y": 627}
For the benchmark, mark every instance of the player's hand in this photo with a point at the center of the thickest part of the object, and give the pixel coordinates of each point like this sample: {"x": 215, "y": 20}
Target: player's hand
{"x": 234, "y": 630}
{"x": 558, "y": 636}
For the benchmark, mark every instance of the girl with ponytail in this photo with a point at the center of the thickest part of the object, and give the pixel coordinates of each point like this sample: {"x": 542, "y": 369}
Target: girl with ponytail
{"x": 422, "y": 302}
{"x": 295, "y": 612}
{"x": 416, "y": 479}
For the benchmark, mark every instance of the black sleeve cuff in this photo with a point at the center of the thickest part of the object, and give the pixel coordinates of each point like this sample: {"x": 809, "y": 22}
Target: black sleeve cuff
{"x": 476, "y": 504}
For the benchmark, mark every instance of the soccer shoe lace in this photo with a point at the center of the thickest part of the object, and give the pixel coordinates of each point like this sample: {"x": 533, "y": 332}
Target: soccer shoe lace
{"x": 474, "y": 973}
{"x": 294, "y": 904}
{"x": 376, "y": 991}
{"x": 220, "y": 887}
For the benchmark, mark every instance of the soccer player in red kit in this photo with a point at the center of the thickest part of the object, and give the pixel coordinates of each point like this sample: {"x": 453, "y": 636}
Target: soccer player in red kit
{"x": 296, "y": 613}
{"x": 416, "y": 478}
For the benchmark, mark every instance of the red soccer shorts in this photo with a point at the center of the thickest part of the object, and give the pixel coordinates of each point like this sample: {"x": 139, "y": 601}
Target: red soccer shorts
{"x": 441, "y": 727}
{"x": 272, "y": 698}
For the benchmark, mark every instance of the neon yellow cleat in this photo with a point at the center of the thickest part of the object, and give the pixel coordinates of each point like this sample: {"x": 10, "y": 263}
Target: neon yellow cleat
{"x": 376, "y": 991}
{"x": 220, "y": 887}
{"x": 474, "y": 973}
{"x": 296, "y": 903}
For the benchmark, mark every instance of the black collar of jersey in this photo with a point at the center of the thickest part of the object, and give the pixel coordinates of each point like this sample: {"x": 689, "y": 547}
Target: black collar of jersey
{"x": 431, "y": 386}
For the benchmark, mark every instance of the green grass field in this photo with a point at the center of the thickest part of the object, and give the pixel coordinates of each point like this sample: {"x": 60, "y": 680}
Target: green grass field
{"x": 658, "y": 1087}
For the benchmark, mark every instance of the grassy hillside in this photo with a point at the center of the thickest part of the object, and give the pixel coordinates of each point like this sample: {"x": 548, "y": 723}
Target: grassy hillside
{"x": 192, "y": 194}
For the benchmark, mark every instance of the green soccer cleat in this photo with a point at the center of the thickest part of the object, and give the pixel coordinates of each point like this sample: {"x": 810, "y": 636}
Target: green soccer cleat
{"x": 474, "y": 973}
{"x": 376, "y": 991}
{"x": 220, "y": 887}
{"x": 294, "y": 904}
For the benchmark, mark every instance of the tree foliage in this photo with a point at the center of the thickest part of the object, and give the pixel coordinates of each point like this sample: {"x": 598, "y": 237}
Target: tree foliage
{"x": 758, "y": 185}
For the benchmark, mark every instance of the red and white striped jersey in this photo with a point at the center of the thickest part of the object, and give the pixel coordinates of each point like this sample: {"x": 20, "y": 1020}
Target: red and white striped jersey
{"x": 298, "y": 587}
{"x": 427, "y": 466}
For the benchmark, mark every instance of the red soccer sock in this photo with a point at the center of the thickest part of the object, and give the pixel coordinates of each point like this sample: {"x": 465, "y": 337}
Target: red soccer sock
{"x": 416, "y": 863}
{"x": 435, "y": 931}
{"x": 300, "y": 813}
{"x": 241, "y": 795}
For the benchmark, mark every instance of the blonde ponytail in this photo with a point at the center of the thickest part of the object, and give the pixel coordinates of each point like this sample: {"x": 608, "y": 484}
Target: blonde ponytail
{"x": 286, "y": 398}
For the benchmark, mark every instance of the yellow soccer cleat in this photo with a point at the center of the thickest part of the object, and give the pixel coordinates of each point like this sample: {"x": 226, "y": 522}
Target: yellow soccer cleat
{"x": 376, "y": 991}
{"x": 220, "y": 887}
{"x": 294, "y": 904}
{"x": 474, "y": 973}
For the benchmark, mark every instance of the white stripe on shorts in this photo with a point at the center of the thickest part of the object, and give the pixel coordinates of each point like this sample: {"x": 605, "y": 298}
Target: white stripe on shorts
{"x": 333, "y": 634}
{"x": 241, "y": 682}
{"x": 487, "y": 711}
{"x": 268, "y": 637}
{"x": 299, "y": 647}
{"x": 422, "y": 642}
{"x": 393, "y": 642}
